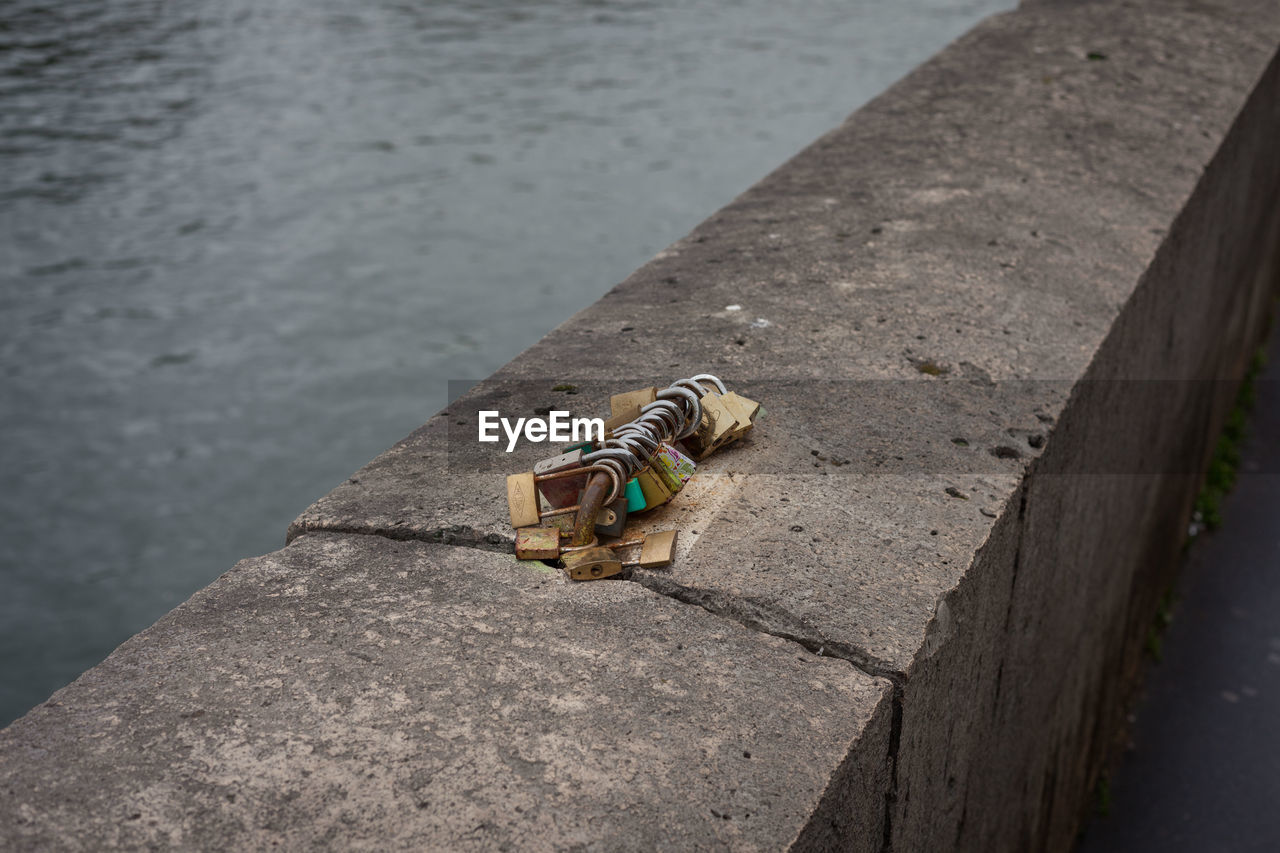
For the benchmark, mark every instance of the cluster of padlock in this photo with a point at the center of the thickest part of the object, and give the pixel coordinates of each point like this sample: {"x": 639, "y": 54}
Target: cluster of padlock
{"x": 653, "y": 442}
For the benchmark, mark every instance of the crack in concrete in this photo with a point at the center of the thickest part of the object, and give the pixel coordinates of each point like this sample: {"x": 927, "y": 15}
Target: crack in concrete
{"x": 758, "y": 615}
{"x": 768, "y": 618}
{"x": 458, "y": 535}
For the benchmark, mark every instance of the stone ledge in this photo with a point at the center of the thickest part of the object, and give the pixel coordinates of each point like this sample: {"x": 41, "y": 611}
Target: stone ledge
{"x": 1049, "y": 230}
{"x": 349, "y": 691}
{"x": 1042, "y": 228}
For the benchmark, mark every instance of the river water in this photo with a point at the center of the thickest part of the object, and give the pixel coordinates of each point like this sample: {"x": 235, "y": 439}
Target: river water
{"x": 244, "y": 244}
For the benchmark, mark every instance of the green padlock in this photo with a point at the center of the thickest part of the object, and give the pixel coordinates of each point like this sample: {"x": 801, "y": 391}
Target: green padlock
{"x": 635, "y": 496}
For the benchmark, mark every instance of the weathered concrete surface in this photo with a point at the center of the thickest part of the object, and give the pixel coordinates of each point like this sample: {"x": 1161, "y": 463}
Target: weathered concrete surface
{"x": 1069, "y": 196}
{"x": 354, "y": 692}
{"x": 995, "y": 319}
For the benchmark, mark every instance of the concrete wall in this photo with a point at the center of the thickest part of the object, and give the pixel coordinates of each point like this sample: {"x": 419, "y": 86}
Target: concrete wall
{"x": 1007, "y": 304}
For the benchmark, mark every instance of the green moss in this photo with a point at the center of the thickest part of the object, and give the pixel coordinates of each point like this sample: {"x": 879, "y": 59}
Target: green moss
{"x": 1154, "y": 644}
{"x": 931, "y": 368}
{"x": 566, "y": 388}
{"x": 1102, "y": 794}
{"x": 1164, "y": 610}
{"x": 1225, "y": 462}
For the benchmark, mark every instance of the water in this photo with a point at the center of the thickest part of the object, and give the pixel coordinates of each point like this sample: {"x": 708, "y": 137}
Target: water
{"x": 244, "y": 245}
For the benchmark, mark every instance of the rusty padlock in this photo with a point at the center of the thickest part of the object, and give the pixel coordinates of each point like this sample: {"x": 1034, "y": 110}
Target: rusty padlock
{"x": 523, "y": 502}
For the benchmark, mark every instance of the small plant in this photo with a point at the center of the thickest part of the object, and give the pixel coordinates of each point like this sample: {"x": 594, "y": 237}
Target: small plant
{"x": 1221, "y": 476}
{"x": 1154, "y": 644}
{"x": 1164, "y": 610}
{"x": 1102, "y": 794}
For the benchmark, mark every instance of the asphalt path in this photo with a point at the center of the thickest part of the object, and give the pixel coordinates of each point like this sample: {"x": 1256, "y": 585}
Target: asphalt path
{"x": 1203, "y": 773}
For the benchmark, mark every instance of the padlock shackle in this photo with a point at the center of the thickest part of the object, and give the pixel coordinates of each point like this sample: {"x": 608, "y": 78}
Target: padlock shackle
{"x": 616, "y": 482}
{"x": 714, "y": 380}
{"x": 569, "y": 549}
{"x": 670, "y": 414}
{"x": 619, "y": 469}
{"x": 610, "y": 451}
{"x": 693, "y": 405}
{"x": 636, "y": 447}
{"x": 593, "y": 499}
{"x": 648, "y": 430}
{"x": 638, "y": 442}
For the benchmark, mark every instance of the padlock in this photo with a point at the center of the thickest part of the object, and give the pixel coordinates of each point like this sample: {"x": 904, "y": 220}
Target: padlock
{"x": 744, "y": 411}
{"x": 522, "y": 493}
{"x": 669, "y": 479}
{"x": 563, "y": 491}
{"x": 549, "y": 543}
{"x": 716, "y": 422}
{"x": 602, "y": 561}
{"x": 630, "y": 402}
{"x": 635, "y": 496}
{"x": 656, "y": 492}
{"x": 677, "y": 464}
{"x": 592, "y": 564}
{"x": 613, "y": 518}
{"x": 656, "y": 550}
{"x": 538, "y": 543}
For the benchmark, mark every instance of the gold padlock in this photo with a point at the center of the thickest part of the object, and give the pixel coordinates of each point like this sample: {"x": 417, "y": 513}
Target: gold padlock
{"x": 716, "y": 425}
{"x": 592, "y": 564}
{"x": 654, "y": 487}
{"x": 744, "y": 412}
{"x": 523, "y": 502}
{"x": 657, "y": 550}
{"x": 600, "y": 561}
{"x": 620, "y": 420}
{"x": 544, "y": 543}
{"x": 631, "y": 402}
{"x": 538, "y": 543}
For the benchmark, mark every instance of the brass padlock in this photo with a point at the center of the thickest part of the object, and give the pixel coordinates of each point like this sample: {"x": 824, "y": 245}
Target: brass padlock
{"x": 716, "y": 425}
{"x": 653, "y": 486}
{"x": 631, "y": 402}
{"x": 744, "y": 412}
{"x": 618, "y": 421}
{"x": 592, "y": 564}
{"x": 656, "y": 550}
{"x": 523, "y": 502}
{"x": 601, "y": 561}
{"x": 538, "y": 543}
{"x": 545, "y": 543}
